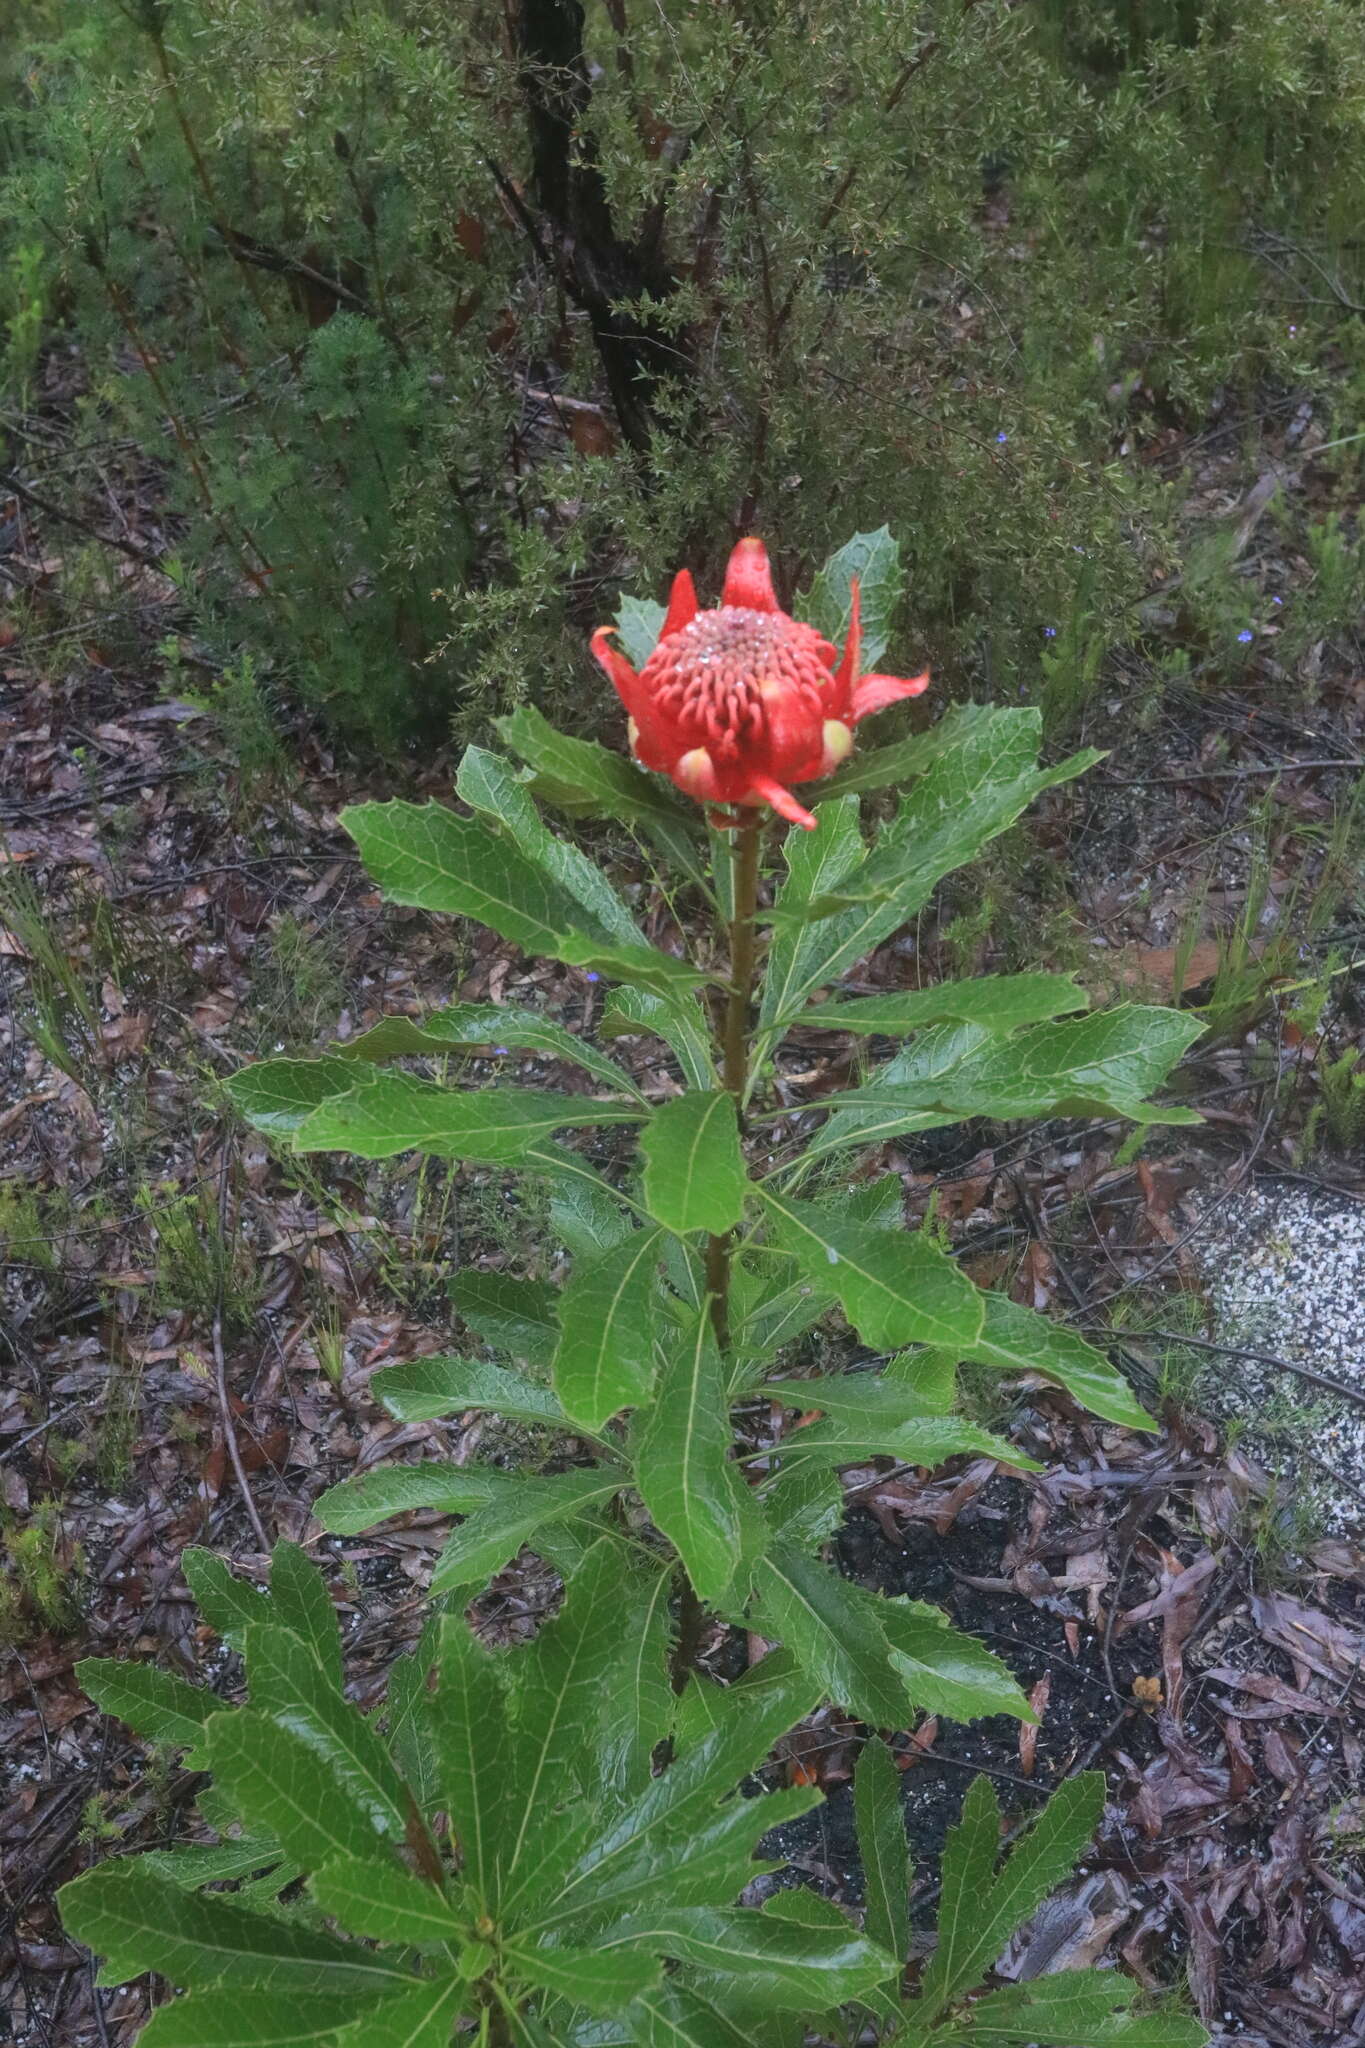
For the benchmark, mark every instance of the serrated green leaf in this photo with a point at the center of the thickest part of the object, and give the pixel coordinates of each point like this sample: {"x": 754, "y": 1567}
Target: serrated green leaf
{"x": 1000, "y": 1002}
{"x": 383, "y": 1113}
{"x": 201, "y": 1863}
{"x": 803, "y": 1967}
{"x": 803, "y": 1505}
{"x": 278, "y": 1783}
{"x": 289, "y": 1684}
{"x": 694, "y": 1176}
{"x": 943, "y": 1670}
{"x": 421, "y": 2018}
{"x": 687, "y": 1834}
{"x": 357, "y": 1504}
{"x": 639, "y": 622}
{"x": 927, "y": 1441}
{"x": 882, "y": 1848}
{"x": 557, "y": 1703}
{"x": 639, "y": 1696}
{"x": 249, "y": 2019}
{"x": 675, "y": 2016}
{"x": 385, "y": 1903}
{"x": 589, "y": 1217}
{"x": 139, "y": 1921}
{"x": 978, "y": 1910}
{"x": 483, "y": 1024}
{"x": 675, "y": 1018}
{"x": 694, "y": 1491}
{"x": 300, "y": 1602}
{"x": 817, "y": 862}
{"x": 468, "y": 1715}
{"x": 605, "y": 1357}
{"x": 498, "y": 792}
{"x": 840, "y": 1643}
{"x": 860, "y": 1398}
{"x": 584, "y": 779}
{"x": 276, "y": 1096}
{"x": 431, "y": 1387}
{"x": 494, "y": 1534}
{"x": 228, "y": 1604}
{"x": 875, "y": 560}
{"x": 509, "y": 1312}
{"x": 895, "y": 1289}
{"x": 155, "y": 1704}
{"x": 1015, "y": 1339}
{"x": 598, "y": 1980}
{"x": 1062, "y": 2007}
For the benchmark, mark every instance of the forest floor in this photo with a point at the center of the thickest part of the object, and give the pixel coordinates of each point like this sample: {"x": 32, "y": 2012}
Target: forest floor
{"x": 1185, "y": 1608}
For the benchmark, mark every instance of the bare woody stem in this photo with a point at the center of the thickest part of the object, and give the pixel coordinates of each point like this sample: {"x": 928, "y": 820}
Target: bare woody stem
{"x": 735, "y": 1054}
{"x": 734, "y": 1077}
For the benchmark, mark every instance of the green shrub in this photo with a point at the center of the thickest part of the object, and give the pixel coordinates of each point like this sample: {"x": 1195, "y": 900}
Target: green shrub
{"x": 441, "y": 318}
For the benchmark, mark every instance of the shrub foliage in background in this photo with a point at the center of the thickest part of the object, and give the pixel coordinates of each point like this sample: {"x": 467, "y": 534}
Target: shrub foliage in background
{"x": 490, "y": 1852}
{"x": 437, "y": 318}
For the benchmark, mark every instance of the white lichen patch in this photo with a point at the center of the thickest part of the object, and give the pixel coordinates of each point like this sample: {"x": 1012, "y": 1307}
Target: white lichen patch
{"x": 1284, "y": 1268}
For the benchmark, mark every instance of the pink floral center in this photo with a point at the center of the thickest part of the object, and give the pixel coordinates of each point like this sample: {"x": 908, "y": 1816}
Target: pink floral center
{"x": 710, "y": 679}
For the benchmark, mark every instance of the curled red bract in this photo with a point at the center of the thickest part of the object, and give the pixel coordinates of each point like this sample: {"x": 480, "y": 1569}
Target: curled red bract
{"x": 737, "y": 703}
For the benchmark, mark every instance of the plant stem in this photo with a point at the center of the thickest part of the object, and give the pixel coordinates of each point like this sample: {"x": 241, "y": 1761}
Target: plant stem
{"x": 735, "y": 1053}
{"x": 734, "y": 1078}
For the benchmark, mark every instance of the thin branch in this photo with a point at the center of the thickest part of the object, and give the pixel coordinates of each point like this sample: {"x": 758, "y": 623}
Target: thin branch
{"x": 234, "y": 1450}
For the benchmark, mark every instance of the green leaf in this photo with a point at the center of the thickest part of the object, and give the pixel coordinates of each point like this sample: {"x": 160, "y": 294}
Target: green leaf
{"x": 1000, "y": 1002}
{"x": 945, "y": 1671}
{"x": 155, "y": 1704}
{"x": 1064, "y": 2006}
{"x": 509, "y": 1312}
{"x": 687, "y": 1832}
{"x": 357, "y": 1504}
{"x": 277, "y": 1781}
{"x": 278, "y": 1095}
{"x": 590, "y": 1218}
{"x": 858, "y": 1398}
{"x": 839, "y": 1642}
{"x": 431, "y": 1387}
{"x": 605, "y": 1358}
{"x": 676, "y": 1018}
{"x": 301, "y": 1603}
{"x": 895, "y": 1289}
{"x": 694, "y": 1177}
{"x": 493, "y": 787}
{"x": 801, "y": 1966}
{"x": 558, "y": 1704}
{"x": 483, "y": 1024}
{"x": 600, "y": 1981}
{"x": 469, "y": 1720}
{"x": 983, "y": 780}
{"x": 139, "y": 1921}
{"x": 979, "y": 1911}
{"x": 421, "y": 2018}
{"x": 289, "y": 1684}
{"x": 1080, "y": 1066}
{"x": 228, "y": 1604}
{"x": 639, "y": 622}
{"x": 1015, "y": 1339}
{"x": 803, "y": 1505}
{"x": 882, "y": 1848}
{"x": 676, "y": 2017}
{"x": 384, "y": 1113}
{"x": 817, "y": 862}
{"x": 426, "y": 856}
{"x": 639, "y": 1698}
{"x": 875, "y": 559}
{"x": 249, "y": 2019}
{"x": 927, "y": 1441}
{"x": 384, "y": 1903}
{"x": 583, "y": 778}
{"x": 694, "y": 1491}
{"x": 494, "y": 1534}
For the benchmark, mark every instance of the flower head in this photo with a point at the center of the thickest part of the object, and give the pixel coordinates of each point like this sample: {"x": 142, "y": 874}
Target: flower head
{"x": 738, "y": 702}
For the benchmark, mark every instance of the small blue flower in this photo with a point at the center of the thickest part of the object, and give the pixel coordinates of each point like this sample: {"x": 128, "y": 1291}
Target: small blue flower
{"x": 1245, "y": 635}
{"x": 1277, "y": 600}
{"x": 1049, "y": 632}
{"x": 501, "y": 1051}
{"x": 1002, "y": 435}
{"x": 592, "y": 976}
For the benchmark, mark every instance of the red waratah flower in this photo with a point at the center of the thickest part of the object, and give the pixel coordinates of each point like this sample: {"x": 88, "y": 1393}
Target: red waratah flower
{"x": 736, "y": 703}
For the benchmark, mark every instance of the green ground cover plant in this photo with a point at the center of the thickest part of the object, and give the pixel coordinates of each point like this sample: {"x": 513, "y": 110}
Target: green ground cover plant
{"x": 436, "y": 320}
{"x": 494, "y": 1853}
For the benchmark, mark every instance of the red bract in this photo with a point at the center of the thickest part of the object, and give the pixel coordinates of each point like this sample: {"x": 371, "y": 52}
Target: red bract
{"x": 736, "y": 703}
